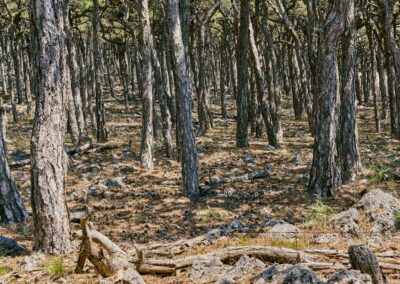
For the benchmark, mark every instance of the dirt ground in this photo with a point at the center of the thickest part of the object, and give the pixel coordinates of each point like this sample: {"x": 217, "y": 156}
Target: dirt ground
{"x": 148, "y": 207}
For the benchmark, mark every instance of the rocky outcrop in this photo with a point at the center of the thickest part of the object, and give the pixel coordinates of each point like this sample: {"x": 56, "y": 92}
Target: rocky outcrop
{"x": 350, "y": 277}
{"x": 287, "y": 273}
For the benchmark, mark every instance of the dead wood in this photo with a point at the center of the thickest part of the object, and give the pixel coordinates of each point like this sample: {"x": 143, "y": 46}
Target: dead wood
{"x": 236, "y": 178}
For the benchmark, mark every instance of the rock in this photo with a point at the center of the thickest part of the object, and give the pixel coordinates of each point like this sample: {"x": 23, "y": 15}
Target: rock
{"x": 92, "y": 168}
{"x": 236, "y": 224}
{"x": 285, "y": 231}
{"x": 206, "y": 266}
{"x": 20, "y": 176}
{"x": 131, "y": 276}
{"x": 269, "y": 148}
{"x": 296, "y": 160}
{"x": 268, "y": 167}
{"x": 244, "y": 266}
{"x": 347, "y": 221}
{"x": 350, "y": 277}
{"x": 31, "y": 262}
{"x": 77, "y": 194}
{"x": 273, "y": 222}
{"x": 77, "y": 216}
{"x": 129, "y": 155}
{"x": 10, "y": 247}
{"x": 265, "y": 212}
{"x": 248, "y": 158}
{"x": 126, "y": 170}
{"x": 287, "y": 273}
{"x": 380, "y": 207}
{"x": 18, "y": 155}
{"x": 113, "y": 182}
{"x": 229, "y": 192}
{"x": 328, "y": 239}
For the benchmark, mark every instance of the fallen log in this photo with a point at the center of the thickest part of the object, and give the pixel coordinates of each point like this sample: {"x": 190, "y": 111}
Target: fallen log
{"x": 236, "y": 178}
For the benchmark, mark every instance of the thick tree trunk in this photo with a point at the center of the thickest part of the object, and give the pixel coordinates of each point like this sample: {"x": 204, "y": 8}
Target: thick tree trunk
{"x": 12, "y": 209}
{"x": 325, "y": 173}
{"x": 189, "y": 151}
{"x": 48, "y": 158}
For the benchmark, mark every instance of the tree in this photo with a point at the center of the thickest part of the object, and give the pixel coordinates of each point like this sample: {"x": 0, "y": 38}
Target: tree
{"x": 12, "y": 209}
{"x": 48, "y": 158}
{"x": 188, "y": 152}
{"x": 243, "y": 76}
{"x": 325, "y": 172}
{"x": 147, "y": 95}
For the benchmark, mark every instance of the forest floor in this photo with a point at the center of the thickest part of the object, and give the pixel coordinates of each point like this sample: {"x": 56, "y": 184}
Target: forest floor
{"x": 131, "y": 205}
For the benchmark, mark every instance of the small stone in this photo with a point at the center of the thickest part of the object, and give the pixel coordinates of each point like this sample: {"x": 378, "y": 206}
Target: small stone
{"x": 296, "y": 160}
{"x": 113, "y": 183}
{"x": 285, "y": 231}
{"x": 18, "y": 155}
{"x": 93, "y": 168}
{"x": 20, "y": 175}
{"x": 271, "y": 223}
{"x": 248, "y": 158}
{"x": 236, "y": 224}
{"x": 269, "y": 148}
{"x": 268, "y": 167}
{"x": 129, "y": 155}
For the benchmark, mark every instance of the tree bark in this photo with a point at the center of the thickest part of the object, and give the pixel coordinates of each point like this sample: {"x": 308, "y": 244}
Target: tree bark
{"x": 48, "y": 158}
{"x": 189, "y": 151}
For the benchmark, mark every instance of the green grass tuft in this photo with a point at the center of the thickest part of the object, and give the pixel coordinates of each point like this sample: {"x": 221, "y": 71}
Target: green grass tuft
{"x": 380, "y": 173}
{"x": 287, "y": 243}
{"x": 318, "y": 214}
{"x": 54, "y": 266}
{"x": 4, "y": 270}
{"x": 397, "y": 220}
{"x": 140, "y": 219}
{"x": 209, "y": 215}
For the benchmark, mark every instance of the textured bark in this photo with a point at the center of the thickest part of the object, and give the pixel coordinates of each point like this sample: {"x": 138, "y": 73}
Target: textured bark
{"x": 363, "y": 259}
{"x": 262, "y": 95}
{"x": 101, "y": 129}
{"x": 382, "y": 83}
{"x": 243, "y": 76}
{"x": 12, "y": 209}
{"x": 325, "y": 173}
{"x": 349, "y": 153}
{"x": 372, "y": 78}
{"x": 48, "y": 158}
{"x": 146, "y": 157}
{"x": 189, "y": 151}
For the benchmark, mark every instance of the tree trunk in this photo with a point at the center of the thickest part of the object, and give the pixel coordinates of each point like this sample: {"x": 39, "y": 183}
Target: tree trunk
{"x": 147, "y": 96}
{"x": 189, "y": 151}
{"x": 12, "y": 209}
{"x": 243, "y": 76}
{"x": 325, "y": 173}
{"x": 101, "y": 129}
{"x": 48, "y": 158}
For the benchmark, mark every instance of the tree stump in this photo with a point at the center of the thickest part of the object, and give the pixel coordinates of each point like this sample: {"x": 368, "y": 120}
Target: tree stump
{"x": 363, "y": 259}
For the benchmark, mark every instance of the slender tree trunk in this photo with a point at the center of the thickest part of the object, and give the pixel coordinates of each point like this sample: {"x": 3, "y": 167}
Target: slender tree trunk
{"x": 243, "y": 76}
{"x": 189, "y": 153}
{"x": 147, "y": 96}
{"x": 101, "y": 129}
{"x": 48, "y": 158}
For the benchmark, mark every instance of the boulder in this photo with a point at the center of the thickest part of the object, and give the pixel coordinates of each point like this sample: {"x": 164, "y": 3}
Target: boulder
{"x": 244, "y": 266}
{"x": 287, "y": 273}
{"x": 347, "y": 222}
{"x": 31, "y": 262}
{"x": 282, "y": 230}
{"x": 10, "y": 247}
{"x": 380, "y": 208}
{"x": 350, "y": 277}
{"x": 18, "y": 155}
{"x": 113, "y": 182}
{"x": 206, "y": 267}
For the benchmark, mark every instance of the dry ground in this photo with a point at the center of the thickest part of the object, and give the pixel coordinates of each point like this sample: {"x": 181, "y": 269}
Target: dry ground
{"x": 149, "y": 207}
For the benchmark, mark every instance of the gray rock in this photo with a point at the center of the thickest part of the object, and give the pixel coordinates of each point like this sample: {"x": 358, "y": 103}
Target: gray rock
{"x": 347, "y": 221}
{"x": 296, "y": 160}
{"x": 380, "y": 207}
{"x": 328, "y": 239}
{"x": 77, "y": 216}
{"x": 10, "y": 247}
{"x": 31, "y": 262}
{"x": 282, "y": 230}
{"x": 129, "y": 155}
{"x": 92, "y": 168}
{"x": 244, "y": 266}
{"x": 265, "y": 212}
{"x": 350, "y": 277}
{"x": 20, "y": 176}
{"x": 248, "y": 158}
{"x": 269, "y": 148}
{"x": 18, "y": 155}
{"x": 131, "y": 276}
{"x": 287, "y": 273}
{"x": 273, "y": 222}
{"x": 113, "y": 182}
{"x": 236, "y": 224}
{"x": 206, "y": 266}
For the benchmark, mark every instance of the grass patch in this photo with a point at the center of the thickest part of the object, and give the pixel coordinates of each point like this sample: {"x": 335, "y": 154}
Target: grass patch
{"x": 54, "y": 266}
{"x": 292, "y": 244}
{"x": 4, "y": 270}
{"x": 380, "y": 173}
{"x": 210, "y": 215}
{"x": 397, "y": 220}
{"x": 140, "y": 219}
{"x": 318, "y": 214}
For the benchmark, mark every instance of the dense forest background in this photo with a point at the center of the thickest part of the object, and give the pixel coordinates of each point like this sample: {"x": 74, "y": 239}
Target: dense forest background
{"x": 184, "y": 141}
